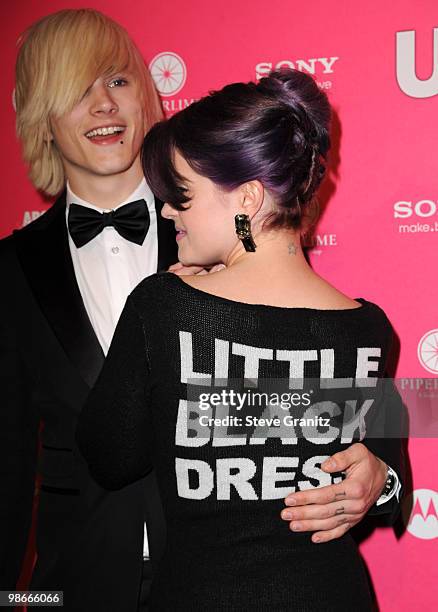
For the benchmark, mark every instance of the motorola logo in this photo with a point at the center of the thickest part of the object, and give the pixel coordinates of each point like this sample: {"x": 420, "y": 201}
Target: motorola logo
{"x": 422, "y": 522}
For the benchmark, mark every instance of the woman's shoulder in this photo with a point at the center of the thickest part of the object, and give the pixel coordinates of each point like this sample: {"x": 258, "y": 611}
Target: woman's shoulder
{"x": 167, "y": 287}
{"x": 158, "y": 284}
{"x": 165, "y": 300}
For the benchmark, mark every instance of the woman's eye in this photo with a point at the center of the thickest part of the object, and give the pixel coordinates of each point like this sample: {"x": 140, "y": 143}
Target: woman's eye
{"x": 117, "y": 82}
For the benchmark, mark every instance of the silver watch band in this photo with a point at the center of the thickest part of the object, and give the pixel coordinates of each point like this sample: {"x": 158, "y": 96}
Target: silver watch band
{"x": 385, "y": 497}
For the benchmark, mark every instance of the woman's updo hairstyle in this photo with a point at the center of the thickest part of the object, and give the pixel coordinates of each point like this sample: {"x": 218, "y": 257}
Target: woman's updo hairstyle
{"x": 276, "y": 131}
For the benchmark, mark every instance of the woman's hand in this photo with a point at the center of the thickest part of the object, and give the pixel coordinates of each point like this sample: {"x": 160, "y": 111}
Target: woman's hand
{"x": 182, "y": 270}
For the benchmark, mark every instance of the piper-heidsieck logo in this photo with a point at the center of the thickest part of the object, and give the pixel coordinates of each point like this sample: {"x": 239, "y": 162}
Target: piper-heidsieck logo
{"x": 406, "y": 65}
{"x": 321, "y": 67}
{"x": 169, "y": 72}
{"x": 420, "y": 514}
{"x": 427, "y": 351}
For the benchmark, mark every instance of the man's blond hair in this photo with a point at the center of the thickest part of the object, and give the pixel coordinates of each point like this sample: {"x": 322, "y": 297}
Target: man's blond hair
{"x": 60, "y": 56}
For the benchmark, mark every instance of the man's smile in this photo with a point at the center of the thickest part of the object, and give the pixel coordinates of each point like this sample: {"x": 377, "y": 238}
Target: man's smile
{"x": 105, "y": 134}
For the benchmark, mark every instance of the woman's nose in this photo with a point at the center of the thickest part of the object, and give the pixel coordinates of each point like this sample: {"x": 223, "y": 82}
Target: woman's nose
{"x": 168, "y": 212}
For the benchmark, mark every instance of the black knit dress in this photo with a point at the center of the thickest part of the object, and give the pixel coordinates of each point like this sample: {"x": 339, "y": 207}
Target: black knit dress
{"x": 223, "y": 487}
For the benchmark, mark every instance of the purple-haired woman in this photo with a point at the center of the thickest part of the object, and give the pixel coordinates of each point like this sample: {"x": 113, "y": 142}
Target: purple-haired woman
{"x": 238, "y": 171}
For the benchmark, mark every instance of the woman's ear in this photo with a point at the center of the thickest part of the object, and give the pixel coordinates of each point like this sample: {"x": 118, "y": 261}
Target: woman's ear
{"x": 252, "y": 197}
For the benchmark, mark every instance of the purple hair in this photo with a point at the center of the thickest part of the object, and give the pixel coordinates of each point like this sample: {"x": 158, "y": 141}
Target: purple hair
{"x": 276, "y": 131}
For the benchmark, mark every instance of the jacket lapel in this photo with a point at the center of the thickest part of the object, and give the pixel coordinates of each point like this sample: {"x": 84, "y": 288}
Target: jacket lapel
{"x": 45, "y": 258}
{"x": 44, "y": 254}
{"x": 167, "y": 245}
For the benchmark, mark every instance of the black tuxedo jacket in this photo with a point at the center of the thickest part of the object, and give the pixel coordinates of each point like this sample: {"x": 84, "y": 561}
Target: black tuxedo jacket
{"x": 89, "y": 541}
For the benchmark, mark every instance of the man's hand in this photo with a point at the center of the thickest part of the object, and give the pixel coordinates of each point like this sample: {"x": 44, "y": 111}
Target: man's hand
{"x": 182, "y": 270}
{"x": 332, "y": 510}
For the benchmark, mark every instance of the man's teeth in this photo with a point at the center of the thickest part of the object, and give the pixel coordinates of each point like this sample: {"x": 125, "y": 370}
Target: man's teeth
{"x": 105, "y": 131}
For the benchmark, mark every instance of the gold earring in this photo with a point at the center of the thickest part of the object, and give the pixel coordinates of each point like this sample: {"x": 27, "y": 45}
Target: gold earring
{"x": 243, "y": 231}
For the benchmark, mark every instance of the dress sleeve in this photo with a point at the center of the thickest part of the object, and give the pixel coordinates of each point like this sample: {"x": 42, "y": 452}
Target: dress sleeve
{"x": 387, "y": 439}
{"x": 113, "y": 431}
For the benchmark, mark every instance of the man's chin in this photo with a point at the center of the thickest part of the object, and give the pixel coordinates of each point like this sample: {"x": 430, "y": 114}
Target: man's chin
{"x": 112, "y": 169}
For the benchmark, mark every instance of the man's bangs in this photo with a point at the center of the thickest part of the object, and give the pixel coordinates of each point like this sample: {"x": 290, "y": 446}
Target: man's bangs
{"x": 79, "y": 66}
{"x": 114, "y": 56}
{"x": 157, "y": 157}
{"x": 118, "y": 55}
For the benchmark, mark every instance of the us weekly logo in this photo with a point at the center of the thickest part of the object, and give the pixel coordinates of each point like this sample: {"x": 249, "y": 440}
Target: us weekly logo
{"x": 223, "y": 421}
{"x": 406, "y": 66}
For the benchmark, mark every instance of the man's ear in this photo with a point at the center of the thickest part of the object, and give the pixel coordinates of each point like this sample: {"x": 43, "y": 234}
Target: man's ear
{"x": 252, "y": 197}
{"x": 48, "y": 135}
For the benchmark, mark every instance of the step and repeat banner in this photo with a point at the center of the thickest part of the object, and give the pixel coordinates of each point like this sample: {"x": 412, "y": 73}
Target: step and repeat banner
{"x": 378, "y": 234}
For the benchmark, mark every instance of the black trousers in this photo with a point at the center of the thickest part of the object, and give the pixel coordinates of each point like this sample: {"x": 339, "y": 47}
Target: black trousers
{"x": 145, "y": 587}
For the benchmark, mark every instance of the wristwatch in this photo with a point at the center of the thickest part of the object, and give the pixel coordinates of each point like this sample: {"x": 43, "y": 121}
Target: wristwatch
{"x": 392, "y": 487}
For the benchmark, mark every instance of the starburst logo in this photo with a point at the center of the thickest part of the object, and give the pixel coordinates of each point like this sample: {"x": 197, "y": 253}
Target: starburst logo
{"x": 428, "y": 351}
{"x": 423, "y": 519}
{"x": 169, "y": 73}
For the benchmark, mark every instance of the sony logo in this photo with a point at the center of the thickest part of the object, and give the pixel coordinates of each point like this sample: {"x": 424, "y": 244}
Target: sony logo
{"x": 310, "y": 65}
{"x": 423, "y": 208}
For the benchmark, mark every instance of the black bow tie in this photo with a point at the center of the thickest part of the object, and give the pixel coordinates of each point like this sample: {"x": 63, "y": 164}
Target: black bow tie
{"x": 131, "y": 221}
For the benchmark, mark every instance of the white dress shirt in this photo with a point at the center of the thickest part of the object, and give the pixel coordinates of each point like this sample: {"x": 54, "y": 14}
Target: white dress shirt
{"x": 109, "y": 267}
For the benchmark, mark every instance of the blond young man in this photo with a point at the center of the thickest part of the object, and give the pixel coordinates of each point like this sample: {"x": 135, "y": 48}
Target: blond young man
{"x": 84, "y": 102}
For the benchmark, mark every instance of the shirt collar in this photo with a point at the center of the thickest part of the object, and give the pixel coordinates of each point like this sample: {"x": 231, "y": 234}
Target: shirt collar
{"x": 142, "y": 191}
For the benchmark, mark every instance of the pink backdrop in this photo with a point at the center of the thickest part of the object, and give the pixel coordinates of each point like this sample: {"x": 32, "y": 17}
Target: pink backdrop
{"x": 378, "y": 236}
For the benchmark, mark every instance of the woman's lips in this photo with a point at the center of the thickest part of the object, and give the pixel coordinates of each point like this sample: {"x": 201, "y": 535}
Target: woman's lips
{"x": 180, "y": 234}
